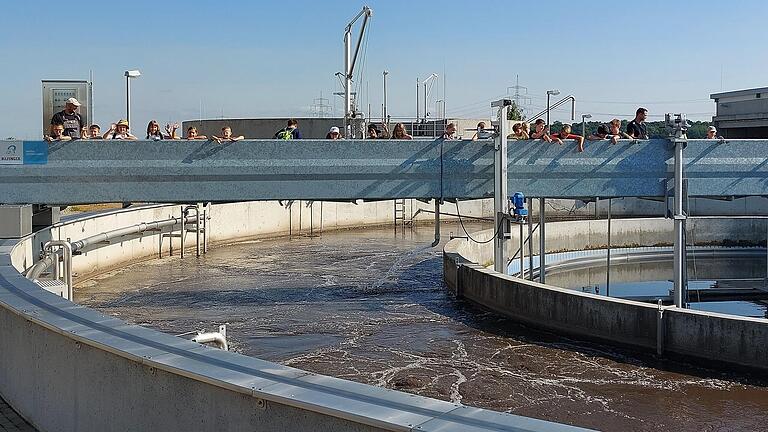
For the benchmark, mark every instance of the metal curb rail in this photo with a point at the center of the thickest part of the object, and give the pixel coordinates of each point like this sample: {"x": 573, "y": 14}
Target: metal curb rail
{"x": 362, "y": 404}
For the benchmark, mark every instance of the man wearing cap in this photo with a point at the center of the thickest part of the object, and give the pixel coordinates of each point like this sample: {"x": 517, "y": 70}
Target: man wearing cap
{"x": 71, "y": 120}
{"x": 712, "y": 133}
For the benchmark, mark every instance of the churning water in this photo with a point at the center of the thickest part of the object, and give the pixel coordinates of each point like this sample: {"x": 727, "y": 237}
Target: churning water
{"x": 369, "y": 306}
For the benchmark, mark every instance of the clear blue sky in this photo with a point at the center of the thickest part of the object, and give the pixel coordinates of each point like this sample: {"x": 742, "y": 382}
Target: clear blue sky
{"x": 259, "y": 58}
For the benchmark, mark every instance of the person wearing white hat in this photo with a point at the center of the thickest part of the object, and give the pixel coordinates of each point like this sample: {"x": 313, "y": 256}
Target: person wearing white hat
{"x": 69, "y": 117}
{"x": 712, "y": 133}
{"x": 119, "y": 131}
{"x": 333, "y": 134}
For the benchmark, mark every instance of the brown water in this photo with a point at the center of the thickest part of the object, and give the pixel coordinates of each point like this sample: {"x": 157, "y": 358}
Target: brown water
{"x": 369, "y": 306}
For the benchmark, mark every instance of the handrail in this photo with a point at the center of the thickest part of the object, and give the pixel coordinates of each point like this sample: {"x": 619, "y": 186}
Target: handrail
{"x": 49, "y": 259}
{"x": 219, "y": 338}
{"x": 556, "y": 105}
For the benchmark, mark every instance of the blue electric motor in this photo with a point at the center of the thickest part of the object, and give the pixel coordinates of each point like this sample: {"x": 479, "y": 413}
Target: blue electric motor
{"x": 518, "y": 201}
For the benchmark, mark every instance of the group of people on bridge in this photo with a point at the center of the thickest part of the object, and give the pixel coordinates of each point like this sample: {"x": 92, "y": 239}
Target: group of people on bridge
{"x": 69, "y": 125}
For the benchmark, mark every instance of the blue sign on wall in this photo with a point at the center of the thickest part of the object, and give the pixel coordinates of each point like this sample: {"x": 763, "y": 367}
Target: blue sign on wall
{"x": 35, "y": 152}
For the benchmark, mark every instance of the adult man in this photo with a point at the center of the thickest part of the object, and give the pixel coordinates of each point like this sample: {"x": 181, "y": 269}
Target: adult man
{"x": 636, "y": 128}
{"x": 290, "y": 132}
{"x": 712, "y": 133}
{"x": 69, "y": 117}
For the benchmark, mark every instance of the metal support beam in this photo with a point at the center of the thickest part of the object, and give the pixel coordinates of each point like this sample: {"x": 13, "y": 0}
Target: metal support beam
{"x": 437, "y": 223}
{"x": 608, "y": 260}
{"x": 522, "y": 252}
{"x": 542, "y": 240}
{"x": 679, "y": 221}
{"x": 500, "y": 189}
{"x": 530, "y": 239}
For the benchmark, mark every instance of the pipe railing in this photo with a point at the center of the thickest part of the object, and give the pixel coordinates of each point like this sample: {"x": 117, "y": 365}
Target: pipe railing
{"x": 219, "y": 338}
{"x": 557, "y": 105}
{"x": 52, "y": 257}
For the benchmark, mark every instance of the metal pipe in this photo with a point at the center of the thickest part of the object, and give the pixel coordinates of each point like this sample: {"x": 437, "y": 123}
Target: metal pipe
{"x": 41, "y": 265}
{"x": 417, "y": 102}
{"x": 46, "y": 262}
{"x": 212, "y": 337}
{"x": 183, "y": 231}
{"x": 679, "y": 221}
{"x": 67, "y": 248}
{"x": 128, "y": 99}
{"x": 547, "y": 129}
{"x": 122, "y": 232}
{"x": 197, "y": 231}
{"x": 522, "y": 252}
{"x": 384, "y": 106}
{"x": 347, "y": 87}
{"x": 437, "y": 222}
{"x": 728, "y": 217}
{"x": 542, "y": 241}
{"x": 451, "y": 214}
{"x": 608, "y": 270}
{"x": 205, "y": 229}
{"x": 500, "y": 187}
{"x": 530, "y": 239}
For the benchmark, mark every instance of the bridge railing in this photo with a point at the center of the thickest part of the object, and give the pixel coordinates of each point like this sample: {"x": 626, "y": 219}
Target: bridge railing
{"x": 196, "y": 171}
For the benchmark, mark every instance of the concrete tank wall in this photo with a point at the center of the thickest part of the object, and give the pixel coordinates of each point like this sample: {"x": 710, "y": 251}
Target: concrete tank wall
{"x": 64, "y": 367}
{"x": 229, "y": 222}
{"x": 709, "y": 337}
{"x": 593, "y": 234}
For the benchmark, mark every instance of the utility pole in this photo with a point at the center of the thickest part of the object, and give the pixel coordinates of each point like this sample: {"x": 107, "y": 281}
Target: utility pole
{"x": 321, "y": 107}
{"x": 520, "y": 99}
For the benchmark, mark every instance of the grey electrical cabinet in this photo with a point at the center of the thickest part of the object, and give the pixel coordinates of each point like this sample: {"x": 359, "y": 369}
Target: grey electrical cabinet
{"x": 15, "y": 221}
{"x": 56, "y": 93}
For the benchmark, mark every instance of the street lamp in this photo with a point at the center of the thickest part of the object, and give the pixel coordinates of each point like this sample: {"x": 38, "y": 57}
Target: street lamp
{"x": 550, "y": 93}
{"x": 583, "y": 130}
{"x": 384, "y": 109}
{"x": 437, "y": 108}
{"x": 128, "y": 75}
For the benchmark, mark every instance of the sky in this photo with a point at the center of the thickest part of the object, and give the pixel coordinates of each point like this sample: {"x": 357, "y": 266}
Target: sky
{"x": 230, "y": 59}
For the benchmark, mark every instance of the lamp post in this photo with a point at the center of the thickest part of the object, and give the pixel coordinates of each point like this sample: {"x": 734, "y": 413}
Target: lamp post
{"x": 384, "y": 108}
{"x": 128, "y": 75}
{"x": 583, "y": 123}
{"x": 425, "y": 82}
{"x": 550, "y": 93}
{"x": 438, "y": 103}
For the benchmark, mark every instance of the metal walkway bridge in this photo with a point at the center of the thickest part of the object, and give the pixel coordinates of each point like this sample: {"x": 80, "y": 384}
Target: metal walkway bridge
{"x": 195, "y": 171}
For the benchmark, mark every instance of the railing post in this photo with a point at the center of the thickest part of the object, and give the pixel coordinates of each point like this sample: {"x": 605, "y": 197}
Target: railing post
{"x": 679, "y": 221}
{"x": 677, "y": 125}
{"x": 542, "y": 240}
{"x": 501, "y": 196}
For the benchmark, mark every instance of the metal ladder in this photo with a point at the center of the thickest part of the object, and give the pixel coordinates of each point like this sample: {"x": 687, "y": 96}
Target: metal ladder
{"x": 400, "y": 213}
{"x": 199, "y": 226}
